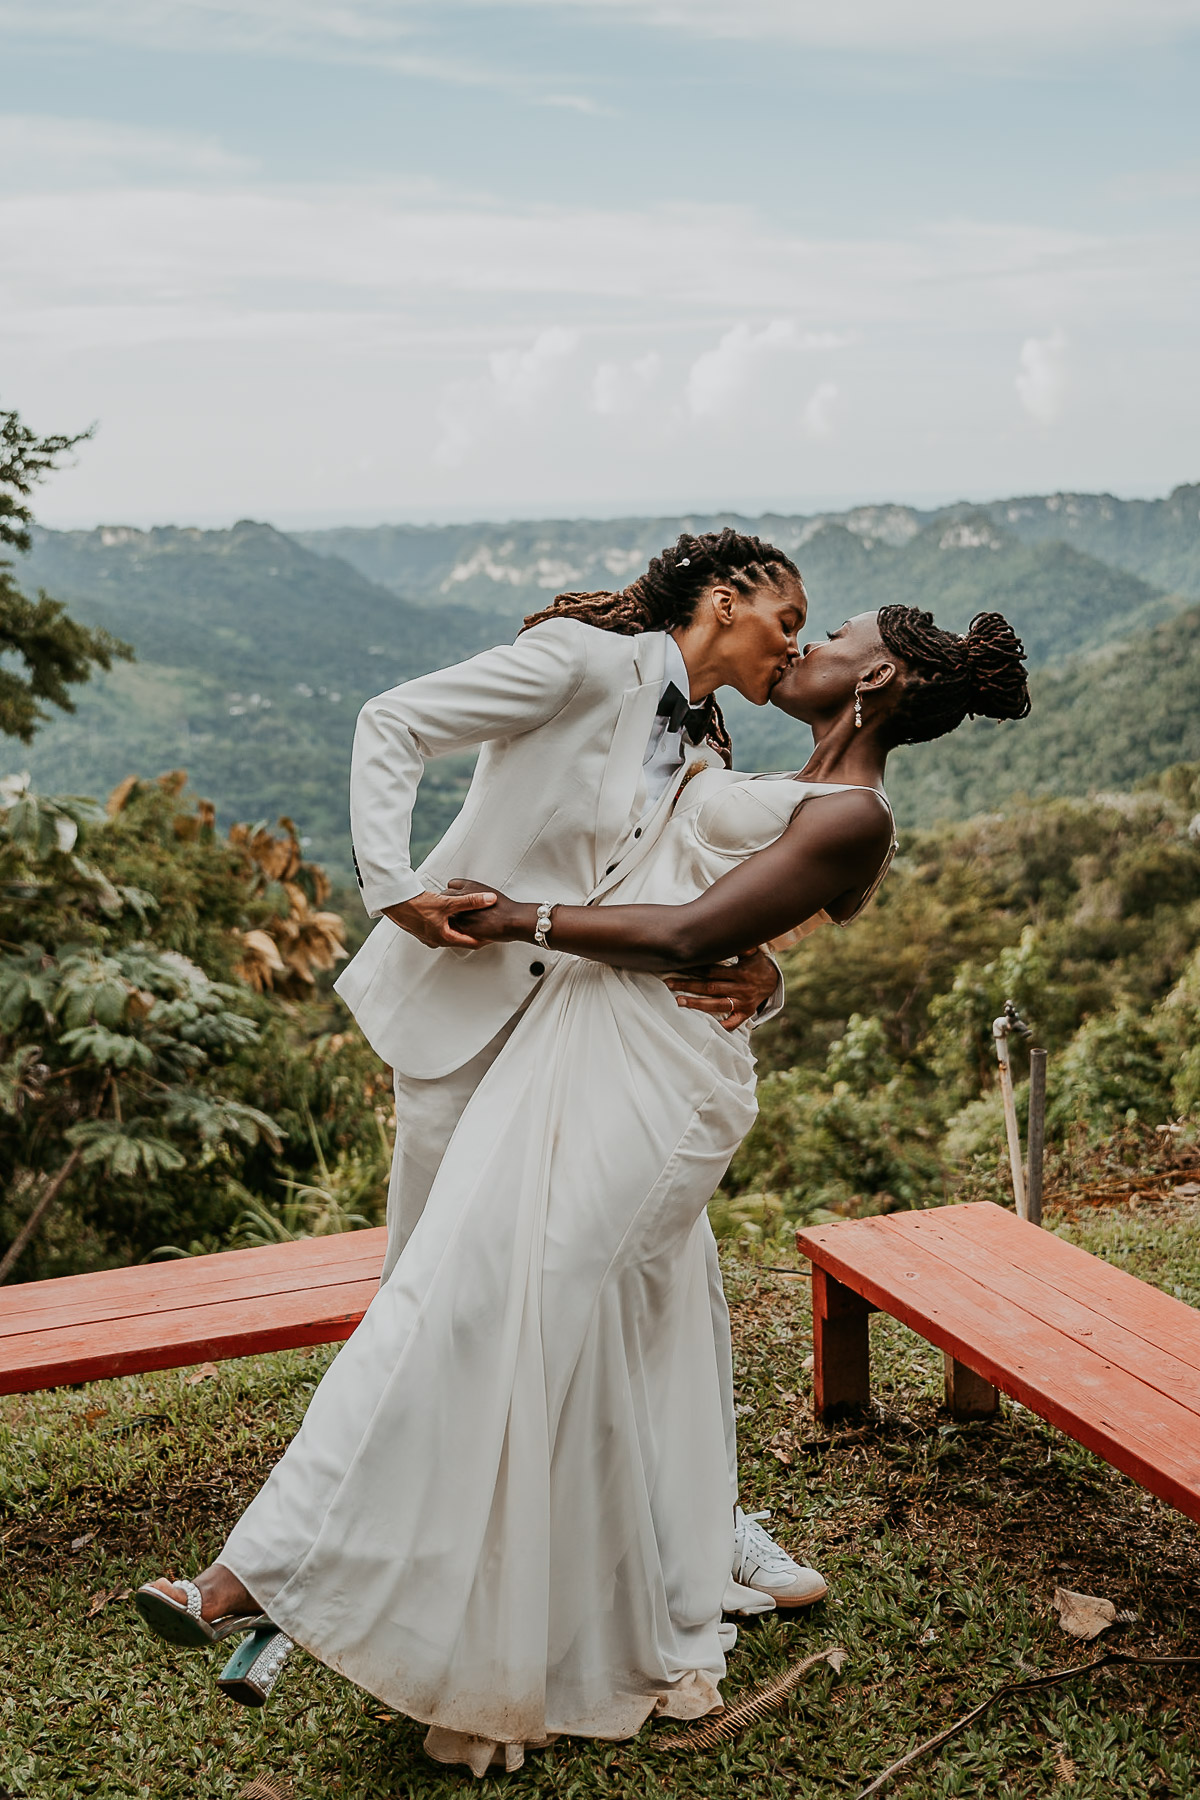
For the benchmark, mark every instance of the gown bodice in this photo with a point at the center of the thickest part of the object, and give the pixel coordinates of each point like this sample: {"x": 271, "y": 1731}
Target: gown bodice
{"x": 720, "y": 818}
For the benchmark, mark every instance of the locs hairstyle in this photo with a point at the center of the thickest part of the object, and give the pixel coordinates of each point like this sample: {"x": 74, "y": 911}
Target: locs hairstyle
{"x": 670, "y": 591}
{"x": 947, "y": 677}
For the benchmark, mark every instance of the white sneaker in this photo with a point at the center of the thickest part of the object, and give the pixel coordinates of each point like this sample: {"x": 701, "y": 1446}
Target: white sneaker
{"x": 760, "y": 1563}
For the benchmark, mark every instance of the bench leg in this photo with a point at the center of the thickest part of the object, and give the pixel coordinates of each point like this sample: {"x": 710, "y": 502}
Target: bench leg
{"x": 841, "y": 1347}
{"x": 968, "y": 1395}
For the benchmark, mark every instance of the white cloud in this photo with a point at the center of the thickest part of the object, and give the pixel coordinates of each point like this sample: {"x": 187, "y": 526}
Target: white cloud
{"x": 817, "y": 418}
{"x": 517, "y": 382}
{"x": 718, "y": 378}
{"x": 267, "y": 320}
{"x": 521, "y": 377}
{"x": 39, "y": 152}
{"x": 1041, "y": 377}
{"x": 620, "y": 387}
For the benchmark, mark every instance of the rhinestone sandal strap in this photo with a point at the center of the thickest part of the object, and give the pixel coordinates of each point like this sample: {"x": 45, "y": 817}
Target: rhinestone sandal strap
{"x": 194, "y": 1602}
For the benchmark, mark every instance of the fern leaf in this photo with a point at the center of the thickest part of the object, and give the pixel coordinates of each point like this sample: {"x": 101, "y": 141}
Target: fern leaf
{"x": 757, "y": 1704}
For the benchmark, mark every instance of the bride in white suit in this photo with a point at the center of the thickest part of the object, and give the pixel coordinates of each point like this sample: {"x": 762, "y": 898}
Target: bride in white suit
{"x": 507, "y": 1510}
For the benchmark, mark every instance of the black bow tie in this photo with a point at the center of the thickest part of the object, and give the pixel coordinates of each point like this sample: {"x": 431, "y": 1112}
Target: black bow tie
{"x": 694, "y": 721}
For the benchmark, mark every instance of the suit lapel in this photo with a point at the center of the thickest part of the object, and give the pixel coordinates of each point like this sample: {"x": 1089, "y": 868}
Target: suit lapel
{"x": 630, "y": 736}
{"x": 702, "y": 754}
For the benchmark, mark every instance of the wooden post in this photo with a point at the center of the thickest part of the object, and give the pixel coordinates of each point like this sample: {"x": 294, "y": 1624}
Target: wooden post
{"x": 1037, "y": 1133}
{"x": 1000, "y": 1030}
{"x": 841, "y": 1347}
{"x": 968, "y": 1395}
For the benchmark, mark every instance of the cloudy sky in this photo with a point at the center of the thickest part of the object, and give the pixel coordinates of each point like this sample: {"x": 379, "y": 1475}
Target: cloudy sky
{"x": 319, "y": 260}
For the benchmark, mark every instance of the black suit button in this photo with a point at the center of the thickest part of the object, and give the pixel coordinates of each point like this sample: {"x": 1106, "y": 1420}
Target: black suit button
{"x": 638, "y": 832}
{"x": 537, "y": 968}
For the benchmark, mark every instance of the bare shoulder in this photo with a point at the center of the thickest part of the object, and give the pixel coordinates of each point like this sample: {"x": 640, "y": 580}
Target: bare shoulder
{"x": 859, "y": 814}
{"x": 854, "y": 819}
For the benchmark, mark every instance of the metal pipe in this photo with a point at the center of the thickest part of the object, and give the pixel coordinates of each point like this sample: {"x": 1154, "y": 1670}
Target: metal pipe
{"x": 1011, "y": 1021}
{"x": 1037, "y": 1133}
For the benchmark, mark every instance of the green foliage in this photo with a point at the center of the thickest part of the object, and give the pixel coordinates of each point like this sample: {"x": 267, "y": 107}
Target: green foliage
{"x": 1110, "y": 1074}
{"x": 862, "y": 1058}
{"x": 52, "y": 650}
{"x": 881, "y": 1084}
{"x": 1178, "y": 1024}
{"x": 25, "y": 459}
{"x": 133, "y": 1059}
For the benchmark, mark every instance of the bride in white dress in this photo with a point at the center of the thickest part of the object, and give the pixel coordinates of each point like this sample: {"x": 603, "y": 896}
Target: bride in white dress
{"x": 507, "y": 1511}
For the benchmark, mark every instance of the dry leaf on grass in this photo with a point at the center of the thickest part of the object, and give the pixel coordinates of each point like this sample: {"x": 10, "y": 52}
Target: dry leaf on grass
{"x": 1065, "y": 1768}
{"x": 269, "y": 1790}
{"x": 79, "y": 1542}
{"x": 203, "y": 1373}
{"x": 99, "y": 1601}
{"x": 1083, "y": 1615}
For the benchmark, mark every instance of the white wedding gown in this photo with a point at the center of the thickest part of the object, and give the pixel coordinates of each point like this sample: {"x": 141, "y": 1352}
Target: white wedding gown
{"x": 507, "y": 1511}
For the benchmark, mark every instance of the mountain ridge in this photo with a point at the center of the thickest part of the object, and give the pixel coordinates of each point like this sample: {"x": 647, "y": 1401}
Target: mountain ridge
{"x": 255, "y": 651}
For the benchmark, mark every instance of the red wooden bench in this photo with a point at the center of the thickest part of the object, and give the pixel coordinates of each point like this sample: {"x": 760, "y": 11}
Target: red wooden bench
{"x": 193, "y": 1309}
{"x": 1106, "y": 1358}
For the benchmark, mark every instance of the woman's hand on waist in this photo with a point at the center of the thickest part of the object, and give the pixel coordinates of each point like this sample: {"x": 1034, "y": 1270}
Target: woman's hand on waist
{"x": 732, "y": 992}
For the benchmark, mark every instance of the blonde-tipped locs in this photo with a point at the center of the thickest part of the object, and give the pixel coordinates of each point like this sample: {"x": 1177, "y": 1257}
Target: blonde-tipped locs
{"x": 670, "y": 591}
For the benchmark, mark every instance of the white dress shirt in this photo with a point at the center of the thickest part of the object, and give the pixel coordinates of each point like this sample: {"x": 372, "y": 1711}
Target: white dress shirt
{"x": 664, "y": 747}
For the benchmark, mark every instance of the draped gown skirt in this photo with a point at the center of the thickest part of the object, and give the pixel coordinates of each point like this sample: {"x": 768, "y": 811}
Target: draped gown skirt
{"x": 507, "y": 1511}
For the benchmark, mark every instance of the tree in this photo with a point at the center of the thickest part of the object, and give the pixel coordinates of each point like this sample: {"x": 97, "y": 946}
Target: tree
{"x": 166, "y": 1058}
{"x": 57, "y": 652}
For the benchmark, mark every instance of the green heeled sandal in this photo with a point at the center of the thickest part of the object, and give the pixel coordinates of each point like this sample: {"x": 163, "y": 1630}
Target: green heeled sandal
{"x": 183, "y": 1625}
{"x": 254, "y": 1667}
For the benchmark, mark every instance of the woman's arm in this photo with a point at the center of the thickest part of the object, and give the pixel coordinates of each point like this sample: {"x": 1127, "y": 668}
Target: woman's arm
{"x": 829, "y": 850}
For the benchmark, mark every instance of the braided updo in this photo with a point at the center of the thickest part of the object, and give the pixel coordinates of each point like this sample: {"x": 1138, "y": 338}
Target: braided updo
{"x": 948, "y": 677}
{"x": 670, "y": 591}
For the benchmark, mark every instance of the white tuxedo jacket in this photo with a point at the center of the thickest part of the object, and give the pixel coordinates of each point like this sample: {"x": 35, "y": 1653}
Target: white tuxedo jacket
{"x": 564, "y": 716}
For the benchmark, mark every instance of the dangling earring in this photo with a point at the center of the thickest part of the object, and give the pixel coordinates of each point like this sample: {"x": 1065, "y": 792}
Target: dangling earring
{"x": 858, "y": 709}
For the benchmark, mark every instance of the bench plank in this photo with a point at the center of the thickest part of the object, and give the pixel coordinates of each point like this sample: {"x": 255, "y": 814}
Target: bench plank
{"x": 173, "y": 1340}
{"x": 197, "y": 1309}
{"x": 1049, "y": 1302}
{"x": 1161, "y": 1319}
{"x": 1141, "y": 1431}
{"x": 157, "y": 1293}
{"x": 113, "y": 1292}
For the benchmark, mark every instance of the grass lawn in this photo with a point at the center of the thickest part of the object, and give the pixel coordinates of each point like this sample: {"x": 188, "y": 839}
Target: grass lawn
{"x": 943, "y": 1546}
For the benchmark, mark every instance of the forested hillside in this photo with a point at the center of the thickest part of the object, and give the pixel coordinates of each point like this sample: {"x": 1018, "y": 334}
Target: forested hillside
{"x": 253, "y": 657}
{"x": 1158, "y": 539}
{"x": 255, "y": 649}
